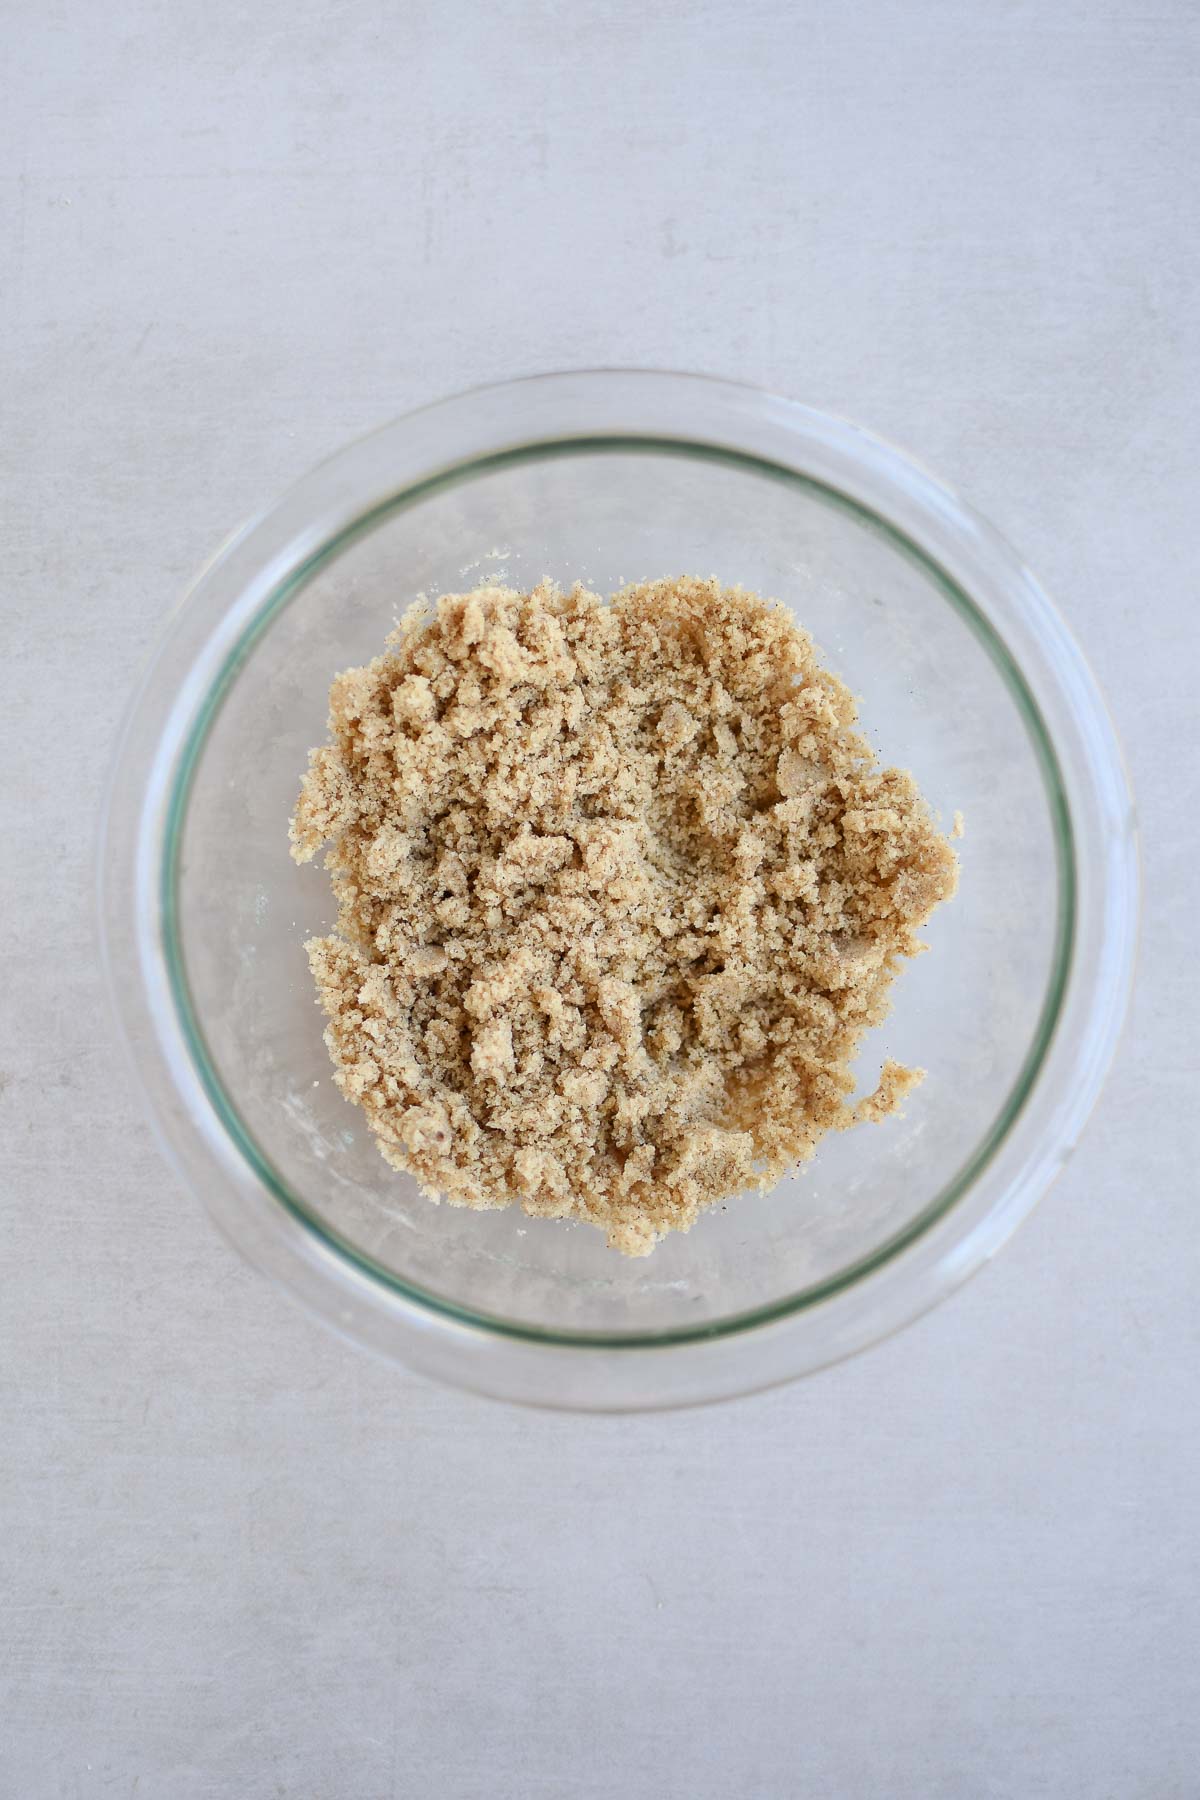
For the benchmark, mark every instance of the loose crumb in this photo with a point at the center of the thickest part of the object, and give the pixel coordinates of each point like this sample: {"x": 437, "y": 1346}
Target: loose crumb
{"x": 620, "y": 889}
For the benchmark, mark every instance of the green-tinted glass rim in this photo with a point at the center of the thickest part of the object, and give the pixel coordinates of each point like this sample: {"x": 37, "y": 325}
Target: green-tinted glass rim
{"x": 455, "y": 475}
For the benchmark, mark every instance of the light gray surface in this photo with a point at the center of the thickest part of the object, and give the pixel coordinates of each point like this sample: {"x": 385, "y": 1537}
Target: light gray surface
{"x": 238, "y": 1558}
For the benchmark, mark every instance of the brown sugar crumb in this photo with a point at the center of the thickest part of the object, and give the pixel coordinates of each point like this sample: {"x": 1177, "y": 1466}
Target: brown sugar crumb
{"x": 620, "y": 889}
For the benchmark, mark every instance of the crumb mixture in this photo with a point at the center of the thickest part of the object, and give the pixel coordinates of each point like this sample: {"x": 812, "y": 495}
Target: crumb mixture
{"x": 620, "y": 889}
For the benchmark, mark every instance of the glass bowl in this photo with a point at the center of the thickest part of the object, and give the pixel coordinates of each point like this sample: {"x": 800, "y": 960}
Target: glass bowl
{"x": 967, "y": 676}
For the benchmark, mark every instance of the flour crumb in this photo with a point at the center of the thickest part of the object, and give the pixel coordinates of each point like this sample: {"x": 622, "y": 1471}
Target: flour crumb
{"x": 620, "y": 889}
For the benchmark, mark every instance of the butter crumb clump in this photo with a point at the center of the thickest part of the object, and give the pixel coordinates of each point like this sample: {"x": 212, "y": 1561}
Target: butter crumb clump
{"x": 620, "y": 888}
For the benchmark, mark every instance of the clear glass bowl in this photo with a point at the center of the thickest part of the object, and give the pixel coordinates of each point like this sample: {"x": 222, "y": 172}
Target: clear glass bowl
{"x": 967, "y": 676}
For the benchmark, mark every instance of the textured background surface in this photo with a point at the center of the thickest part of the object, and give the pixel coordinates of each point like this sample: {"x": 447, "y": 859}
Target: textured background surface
{"x": 238, "y": 1558}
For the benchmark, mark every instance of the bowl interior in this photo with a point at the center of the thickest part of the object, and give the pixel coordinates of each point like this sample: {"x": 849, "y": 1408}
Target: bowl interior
{"x": 939, "y": 695}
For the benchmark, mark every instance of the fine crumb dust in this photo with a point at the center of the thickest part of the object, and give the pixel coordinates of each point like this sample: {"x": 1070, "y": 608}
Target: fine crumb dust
{"x": 620, "y": 889}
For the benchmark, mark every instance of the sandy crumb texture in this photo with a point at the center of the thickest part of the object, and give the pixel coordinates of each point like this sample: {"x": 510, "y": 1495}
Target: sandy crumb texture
{"x": 620, "y": 889}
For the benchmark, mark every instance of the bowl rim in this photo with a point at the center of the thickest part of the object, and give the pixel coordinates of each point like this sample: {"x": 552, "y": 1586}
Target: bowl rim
{"x": 263, "y": 567}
